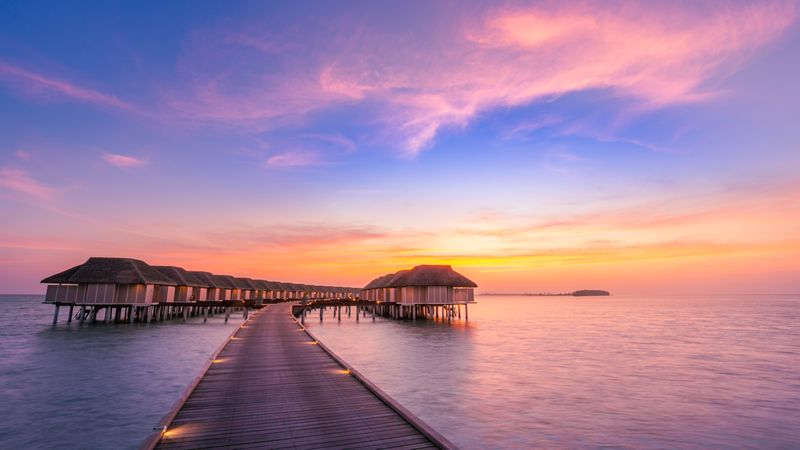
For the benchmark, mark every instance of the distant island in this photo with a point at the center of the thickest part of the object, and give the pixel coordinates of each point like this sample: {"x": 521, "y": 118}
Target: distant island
{"x": 580, "y": 293}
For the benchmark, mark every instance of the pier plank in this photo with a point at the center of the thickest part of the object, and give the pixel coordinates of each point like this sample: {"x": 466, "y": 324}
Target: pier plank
{"x": 272, "y": 387}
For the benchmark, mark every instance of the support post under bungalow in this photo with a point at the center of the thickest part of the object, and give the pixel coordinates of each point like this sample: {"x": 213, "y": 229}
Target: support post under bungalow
{"x": 130, "y": 314}
{"x": 205, "y": 314}
{"x": 466, "y": 312}
{"x": 55, "y": 314}
{"x": 69, "y": 319}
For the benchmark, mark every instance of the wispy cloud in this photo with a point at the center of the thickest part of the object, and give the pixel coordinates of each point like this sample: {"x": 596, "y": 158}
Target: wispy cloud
{"x": 22, "y": 155}
{"x": 20, "y": 182}
{"x": 403, "y": 90}
{"x": 123, "y": 161}
{"x": 44, "y": 86}
{"x": 296, "y": 158}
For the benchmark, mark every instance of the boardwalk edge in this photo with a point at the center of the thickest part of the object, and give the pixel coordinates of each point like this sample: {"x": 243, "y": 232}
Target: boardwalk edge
{"x": 153, "y": 438}
{"x": 410, "y": 417}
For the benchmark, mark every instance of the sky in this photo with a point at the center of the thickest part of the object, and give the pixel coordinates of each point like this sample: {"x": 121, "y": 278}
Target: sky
{"x": 639, "y": 147}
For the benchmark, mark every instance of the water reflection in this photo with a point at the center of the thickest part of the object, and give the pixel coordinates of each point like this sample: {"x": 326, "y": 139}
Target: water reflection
{"x": 690, "y": 372}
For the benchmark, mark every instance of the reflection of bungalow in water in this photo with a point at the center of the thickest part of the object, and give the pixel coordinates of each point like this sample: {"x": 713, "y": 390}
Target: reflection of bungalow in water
{"x": 107, "y": 283}
{"x": 188, "y": 288}
{"x": 212, "y": 289}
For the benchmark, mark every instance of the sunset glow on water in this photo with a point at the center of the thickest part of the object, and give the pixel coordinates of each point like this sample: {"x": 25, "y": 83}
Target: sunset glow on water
{"x": 566, "y": 372}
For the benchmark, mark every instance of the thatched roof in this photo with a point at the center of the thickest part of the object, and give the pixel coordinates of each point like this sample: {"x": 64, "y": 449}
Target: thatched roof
{"x": 110, "y": 271}
{"x": 429, "y": 275}
{"x": 180, "y": 276}
{"x": 301, "y": 287}
{"x": 207, "y": 278}
{"x": 225, "y": 281}
{"x": 378, "y": 282}
{"x": 262, "y": 285}
{"x": 245, "y": 283}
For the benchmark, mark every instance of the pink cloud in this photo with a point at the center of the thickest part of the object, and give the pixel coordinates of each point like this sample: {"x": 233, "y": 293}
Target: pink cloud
{"x": 123, "y": 161}
{"x": 295, "y": 158}
{"x": 38, "y": 84}
{"x": 406, "y": 89}
{"x": 20, "y": 182}
{"x": 23, "y": 155}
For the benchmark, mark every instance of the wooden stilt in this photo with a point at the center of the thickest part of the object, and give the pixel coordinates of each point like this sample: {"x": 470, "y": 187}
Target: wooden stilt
{"x": 205, "y": 314}
{"x": 82, "y": 316}
{"x": 130, "y": 314}
{"x": 466, "y": 312}
{"x": 55, "y": 314}
{"x": 69, "y": 319}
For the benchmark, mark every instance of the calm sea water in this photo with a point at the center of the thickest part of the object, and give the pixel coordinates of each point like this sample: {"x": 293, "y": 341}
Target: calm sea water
{"x": 564, "y": 372}
{"x": 557, "y": 372}
{"x": 99, "y": 386}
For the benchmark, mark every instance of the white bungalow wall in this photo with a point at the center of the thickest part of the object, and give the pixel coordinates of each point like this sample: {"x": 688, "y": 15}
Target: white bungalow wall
{"x": 434, "y": 295}
{"x": 463, "y": 295}
{"x": 199, "y": 294}
{"x": 212, "y": 294}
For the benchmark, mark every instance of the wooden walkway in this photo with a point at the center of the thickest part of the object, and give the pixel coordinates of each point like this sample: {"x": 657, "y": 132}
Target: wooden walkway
{"x": 273, "y": 387}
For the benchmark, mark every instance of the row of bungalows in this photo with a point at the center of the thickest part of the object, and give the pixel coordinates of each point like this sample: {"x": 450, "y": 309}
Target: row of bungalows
{"x": 111, "y": 282}
{"x": 414, "y": 290}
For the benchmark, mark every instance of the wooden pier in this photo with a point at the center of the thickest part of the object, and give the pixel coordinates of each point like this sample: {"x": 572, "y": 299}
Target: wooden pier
{"x": 273, "y": 385}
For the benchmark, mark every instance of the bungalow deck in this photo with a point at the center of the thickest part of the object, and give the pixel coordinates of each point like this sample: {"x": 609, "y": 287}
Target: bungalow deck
{"x": 274, "y": 386}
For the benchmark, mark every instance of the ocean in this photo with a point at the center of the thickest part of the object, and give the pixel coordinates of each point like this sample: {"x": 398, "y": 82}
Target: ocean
{"x": 693, "y": 372}
{"x": 524, "y": 372}
{"x": 98, "y": 386}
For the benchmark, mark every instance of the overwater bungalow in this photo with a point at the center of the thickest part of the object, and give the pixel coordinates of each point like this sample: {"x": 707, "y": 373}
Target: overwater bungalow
{"x": 261, "y": 290}
{"x": 247, "y": 290}
{"x": 107, "y": 283}
{"x": 422, "y": 291}
{"x": 188, "y": 287}
{"x": 433, "y": 285}
{"x": 376, "y": 290}
{"x": 229, "y": 291}
{"x": 212, "y": 289}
